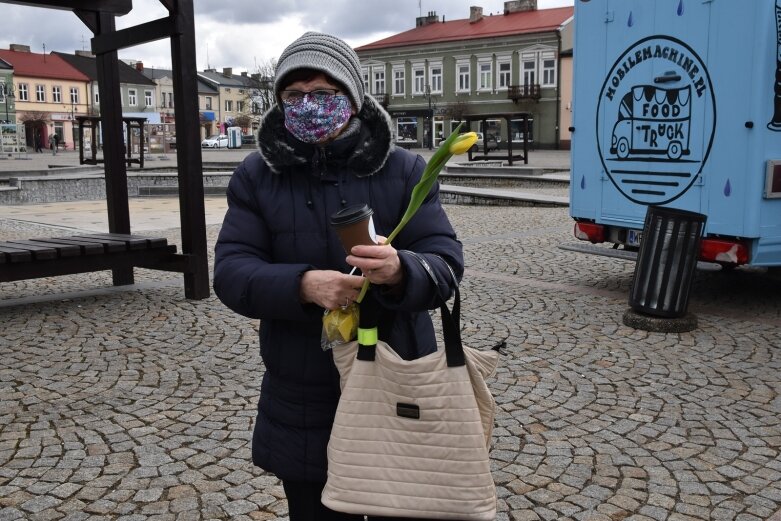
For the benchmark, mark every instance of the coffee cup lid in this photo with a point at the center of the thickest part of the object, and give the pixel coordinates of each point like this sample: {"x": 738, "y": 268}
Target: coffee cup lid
{"x": 351, "y": 214}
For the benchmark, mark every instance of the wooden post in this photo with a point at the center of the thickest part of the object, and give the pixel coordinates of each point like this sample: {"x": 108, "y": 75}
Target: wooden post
{"x": 188, "y": 150}
{"x": 113, "y": 155}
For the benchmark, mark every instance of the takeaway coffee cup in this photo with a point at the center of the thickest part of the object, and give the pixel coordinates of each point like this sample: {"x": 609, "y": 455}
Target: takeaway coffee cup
{"x": 355, "y": 226}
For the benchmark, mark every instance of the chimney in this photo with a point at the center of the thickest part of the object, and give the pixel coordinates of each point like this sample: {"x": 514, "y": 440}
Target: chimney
{"x": 517, "y": 6}
{"x": 140, "y": 66}
{"x": 85, "y": 54}
{"x": 227, "y": 71}
{"x": 475, "y": 14}
{"x": 18, "y": 47}
{"x": 430, "y": 18}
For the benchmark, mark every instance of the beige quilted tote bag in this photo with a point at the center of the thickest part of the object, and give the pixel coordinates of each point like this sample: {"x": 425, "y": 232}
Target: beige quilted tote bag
{"x": 411, "y": 438}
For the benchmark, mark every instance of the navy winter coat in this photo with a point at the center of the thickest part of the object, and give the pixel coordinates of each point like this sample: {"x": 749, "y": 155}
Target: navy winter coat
{"x": 277, "y": 227}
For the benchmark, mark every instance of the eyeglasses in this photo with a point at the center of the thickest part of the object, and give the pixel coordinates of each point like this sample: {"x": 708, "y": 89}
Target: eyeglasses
{"x": 320, "y": 94}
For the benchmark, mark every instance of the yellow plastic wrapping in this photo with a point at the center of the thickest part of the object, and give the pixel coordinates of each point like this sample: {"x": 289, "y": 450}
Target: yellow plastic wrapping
{"x": 340, "y": 325}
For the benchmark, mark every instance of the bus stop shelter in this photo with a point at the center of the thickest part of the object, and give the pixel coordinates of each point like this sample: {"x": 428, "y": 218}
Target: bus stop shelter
{"x": 179, "y": 26}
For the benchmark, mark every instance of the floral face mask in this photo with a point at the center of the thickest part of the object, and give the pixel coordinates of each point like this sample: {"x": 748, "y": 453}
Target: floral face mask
{"x": 313, "y": 117}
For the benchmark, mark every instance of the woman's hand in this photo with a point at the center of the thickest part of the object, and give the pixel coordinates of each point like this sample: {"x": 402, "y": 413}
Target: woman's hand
{"x": 380, "y": 263}
{"x": 329, "y": 289}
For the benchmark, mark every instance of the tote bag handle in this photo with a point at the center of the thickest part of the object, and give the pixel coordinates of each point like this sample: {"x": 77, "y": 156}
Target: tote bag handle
{"x": 451, "y": 322}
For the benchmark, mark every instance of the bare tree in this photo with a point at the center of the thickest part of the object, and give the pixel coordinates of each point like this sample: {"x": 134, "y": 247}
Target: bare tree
{"x": 457, "y": 110}
{"x": 260, "y": 92}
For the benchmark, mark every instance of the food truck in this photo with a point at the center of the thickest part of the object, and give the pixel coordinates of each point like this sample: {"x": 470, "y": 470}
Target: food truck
{"x": 677, "y": 103}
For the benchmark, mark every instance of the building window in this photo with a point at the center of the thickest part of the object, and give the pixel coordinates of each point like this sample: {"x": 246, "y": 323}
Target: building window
{"x": 529, "y": 73}
{"x": 463, "y": 72}
{"x": 529, "y": 67}
{"x": 239, "y": 106}
{"x": 74, "y": 92}
{"x": 170, "y": 100}
{"x": 379, "y": 81}
{"x": 228, "y": 105}
{"x": 548, "y": 69}
{"x": 24, "y": 94}
{"x": 2, "y": 90}
{"x": 56, "y": 94}
{"x": 208, "y": 102}
{"x": 504, "y": 74}
{"x": 435, "y": 74}
{"x": 132, "y": 97}
{"x": 485, "y": 75}
{"x": 398, "y": 82}
{"x": 40, "y": 93}
{"x": 419, "y": 74}
{"x": 365, "y": 75}
{"x": 97, "y": 97}
{"x": 148, "y": 101}
{"x": 407, "y": 130}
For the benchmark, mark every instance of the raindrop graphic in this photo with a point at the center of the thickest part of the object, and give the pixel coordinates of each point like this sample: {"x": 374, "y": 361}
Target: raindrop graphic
{"x": 583, "y": 182}
{"x": 727, "y": 189}
{"x": 680, "y": 8}
{"x": 630, "y": 22}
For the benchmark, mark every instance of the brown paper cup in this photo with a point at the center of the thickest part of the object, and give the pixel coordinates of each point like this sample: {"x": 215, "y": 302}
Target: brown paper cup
{"x": 354, "y": 225}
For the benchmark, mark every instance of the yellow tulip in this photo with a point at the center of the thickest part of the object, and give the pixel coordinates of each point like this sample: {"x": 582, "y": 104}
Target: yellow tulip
{"x": 463, "y": 143}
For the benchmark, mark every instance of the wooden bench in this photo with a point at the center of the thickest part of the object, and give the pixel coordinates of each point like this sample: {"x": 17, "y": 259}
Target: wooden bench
{"x": 47, "y": 257}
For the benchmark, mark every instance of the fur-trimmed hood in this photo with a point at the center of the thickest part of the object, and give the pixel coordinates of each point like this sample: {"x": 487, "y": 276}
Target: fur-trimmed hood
{"x": 373, "y": 143}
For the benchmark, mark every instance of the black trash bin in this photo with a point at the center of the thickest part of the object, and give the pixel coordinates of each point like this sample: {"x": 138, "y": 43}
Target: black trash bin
{"x": 666, "y": 261}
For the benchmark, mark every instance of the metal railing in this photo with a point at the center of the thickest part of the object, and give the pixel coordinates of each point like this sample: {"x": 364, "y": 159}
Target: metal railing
{"x": 524, "y": 92}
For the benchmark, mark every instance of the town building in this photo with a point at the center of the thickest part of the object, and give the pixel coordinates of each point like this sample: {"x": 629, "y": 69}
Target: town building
{"x": 164, "y": 89}
{"x": 48, "y": 94}
{"x": 208, "y": 108}
{"x": 233, "y": 96}
{"x": 137, "y": 92}
{"x": 497, "y": 69}
{"x": 565, "y": 86}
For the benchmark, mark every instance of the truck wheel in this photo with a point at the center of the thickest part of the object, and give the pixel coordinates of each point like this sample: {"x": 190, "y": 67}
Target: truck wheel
{"x": 622, "y": 148}
{"x": 674, "y": 150}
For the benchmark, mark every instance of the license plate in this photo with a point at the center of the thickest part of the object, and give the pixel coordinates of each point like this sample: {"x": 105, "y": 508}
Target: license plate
{"x": 633, "y": 237}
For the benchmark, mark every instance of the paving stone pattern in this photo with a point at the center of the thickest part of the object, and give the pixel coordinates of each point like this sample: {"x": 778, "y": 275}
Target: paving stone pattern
{"x": 138, "y": 404}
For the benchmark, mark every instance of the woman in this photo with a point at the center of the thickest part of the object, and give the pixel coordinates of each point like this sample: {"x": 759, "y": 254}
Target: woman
{"x": 324, "y": 146}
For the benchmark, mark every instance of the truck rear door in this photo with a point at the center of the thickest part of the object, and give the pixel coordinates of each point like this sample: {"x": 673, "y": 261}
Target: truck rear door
{"x": 656, "y": 116}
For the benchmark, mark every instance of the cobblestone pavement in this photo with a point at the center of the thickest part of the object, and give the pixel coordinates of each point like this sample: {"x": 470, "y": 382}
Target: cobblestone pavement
{"x": 136, "y": 404}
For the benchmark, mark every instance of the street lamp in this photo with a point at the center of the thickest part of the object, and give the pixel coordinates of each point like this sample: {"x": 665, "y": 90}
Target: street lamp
{"x": 8, "y": 95}
{"x": 430, "y": 118}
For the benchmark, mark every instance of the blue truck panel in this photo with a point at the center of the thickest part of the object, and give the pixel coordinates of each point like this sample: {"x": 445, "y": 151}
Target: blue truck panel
{"x": 678, "y": 103}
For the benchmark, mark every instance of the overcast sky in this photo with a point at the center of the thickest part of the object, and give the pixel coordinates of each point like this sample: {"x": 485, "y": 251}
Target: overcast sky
{"x": 242, "y": 34}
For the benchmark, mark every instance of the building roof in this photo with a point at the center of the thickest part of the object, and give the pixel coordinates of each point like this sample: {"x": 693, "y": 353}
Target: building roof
{"x": 490, "y": 26}
{"x": 156, "y": 74}
{"x": 220, "y": 79}
{"x": 5, "y": 65}
{"x": 204, "y": 87}
{"x": 88, "y": 66}
{"x": 38, "y": 65}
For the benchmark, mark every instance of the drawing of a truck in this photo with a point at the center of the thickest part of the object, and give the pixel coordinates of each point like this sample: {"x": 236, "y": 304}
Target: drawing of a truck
{"x": 653, "y": 121}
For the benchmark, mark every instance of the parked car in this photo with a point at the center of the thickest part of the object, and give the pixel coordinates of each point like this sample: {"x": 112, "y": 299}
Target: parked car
{"x": 248, "y": 139}
{"x": 215, "y": 141}
{"x": 492, "y": 143}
